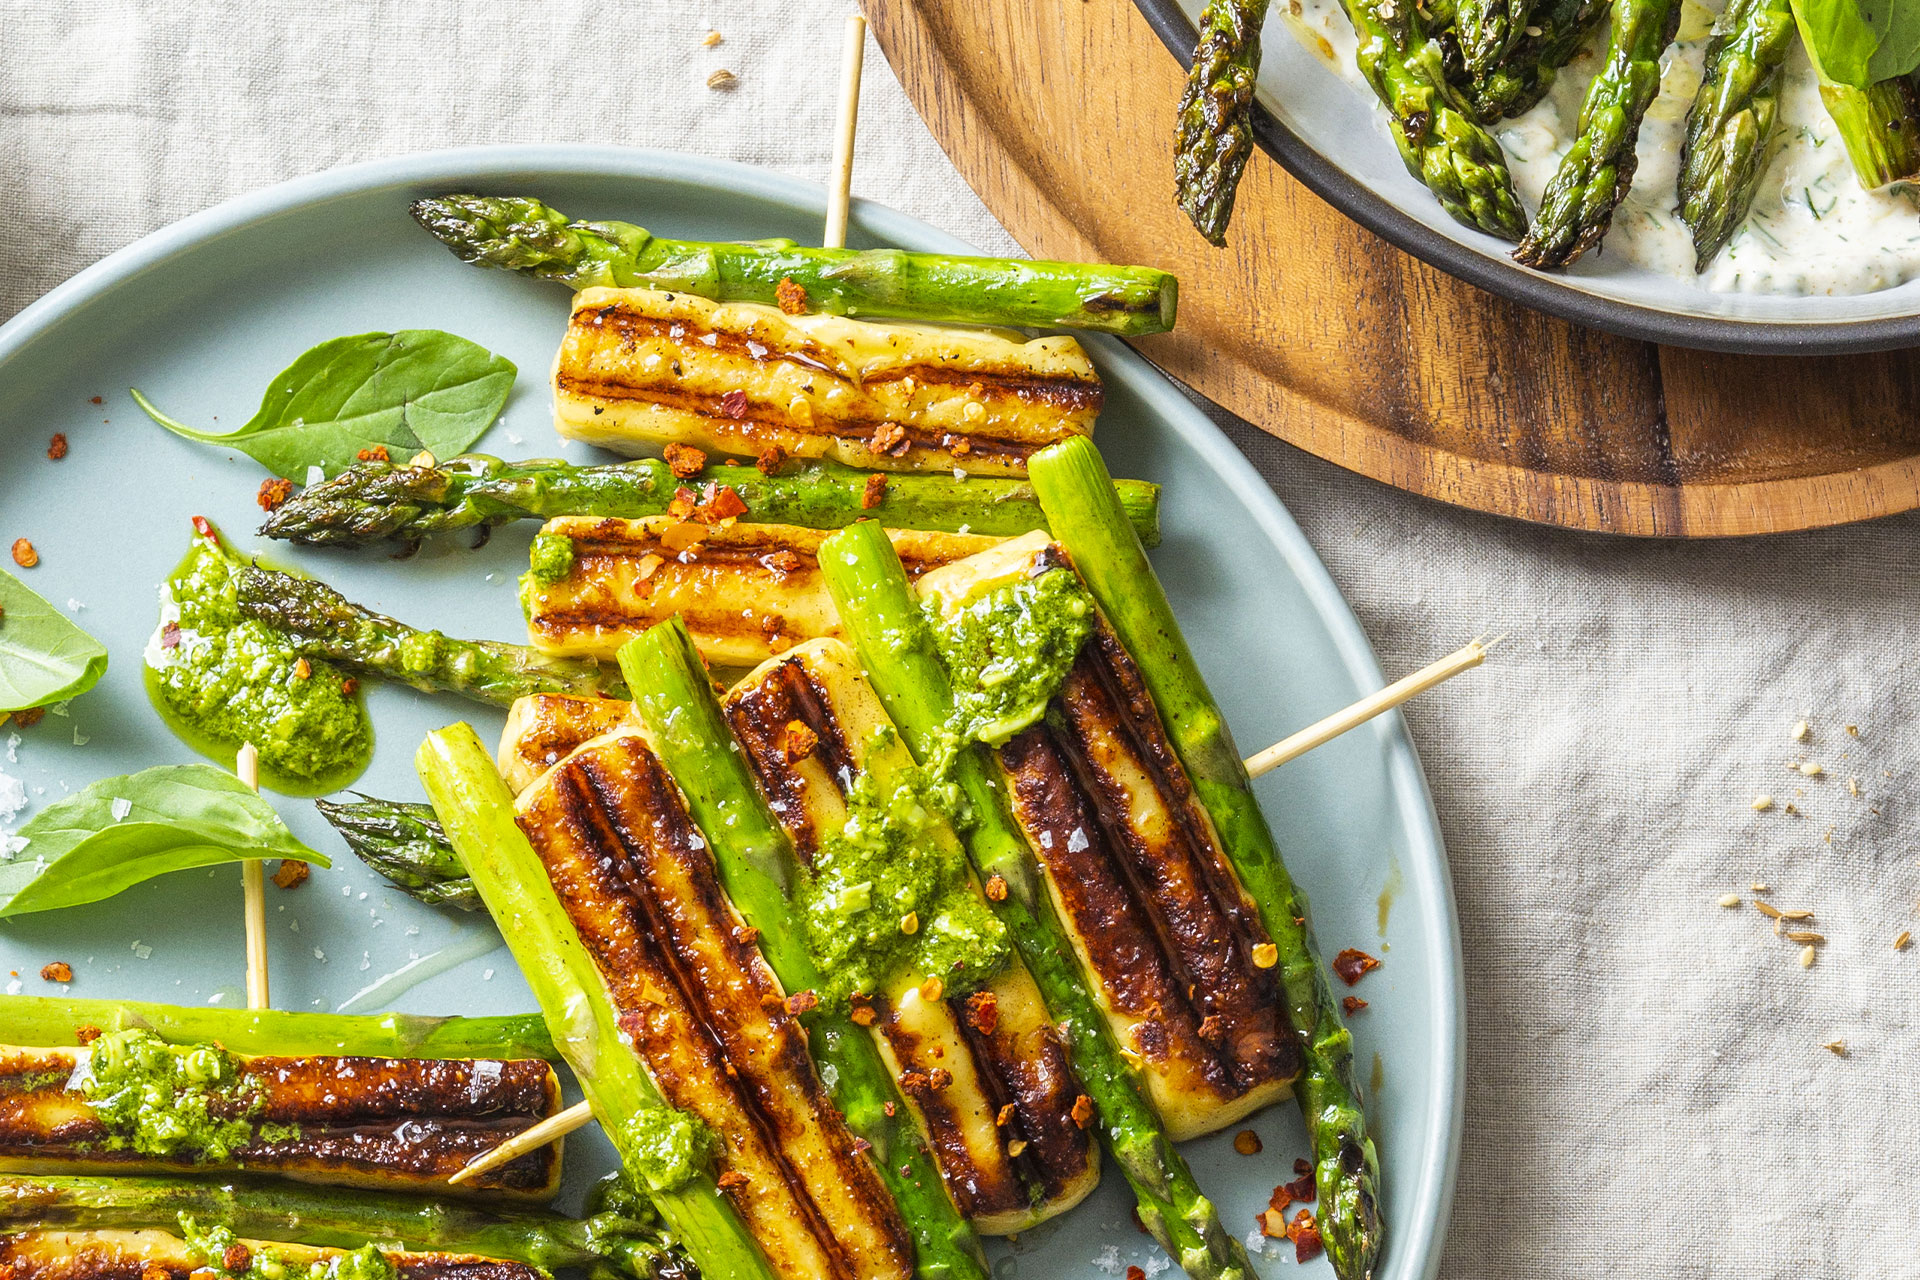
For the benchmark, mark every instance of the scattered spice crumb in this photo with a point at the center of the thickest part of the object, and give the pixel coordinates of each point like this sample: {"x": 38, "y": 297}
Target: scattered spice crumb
{"x": 997, "y": 887}
{"x": 730, "y": 1179}
{"x": 236, "y": 1257}
{"x": 1729, "y": 899}
{"x": 712, "y": 38}
{"x": 875, "y": 492}
{"x": 983, "y": 1012}
{"x": 1004, "y": 1116}
{"x": 1757, "y": 887}
{"x": 95, "y": 400}
{"x": 1838, "y": 1048}
{"x": 1901, "y": 942}
{"x": 1807, "y": 956}
{"x": 722, "y": 79}
{"x": 24, "y": 555}
{"x": 1853, "y": 786}
{"x": 1762, "y": 803}
{"x": 932, "y": 989}
{"x": 1853, "y": 731}
{"x": 1301, "y": 1167}
{"x": 801, "y": 1002}
{"x": 57, "y": 447}
{"x": 1305, "y": 1234}
{"x": 1136, "y": 1273}
{"x": 1353, "y": 964}
{"x": 57, "y": 971}
{"x": 685, "y": 461}
{"x": 1016, "y": 1148}
{"x": 769, "y": 459}
{"x": 1265, "y": 955}
{"x": 291, "y": 873}
{"x": 1352, "y": 1005}
{"x": 1082, "y": 1111}
{"x": 274, "y": 492}
{"x": 1247, "y": 1142}
{"x": 1802, "y": 731}
{"x": 86, "y": 1033}
{"x": 30, "y": 717}
{"x": 378, "y": 453}
{"x": 302, "y": 669}
{"x": 791, "y": 296}
{"x": 910, "y": 922}
{"x": 797, "y": 741}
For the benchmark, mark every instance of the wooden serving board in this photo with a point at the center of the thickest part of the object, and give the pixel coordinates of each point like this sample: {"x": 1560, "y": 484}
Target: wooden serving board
{"x": 1060, "y": 114}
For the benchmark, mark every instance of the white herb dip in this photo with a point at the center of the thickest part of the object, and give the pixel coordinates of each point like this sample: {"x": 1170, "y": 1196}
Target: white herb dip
{"x": 1811, "y": 228}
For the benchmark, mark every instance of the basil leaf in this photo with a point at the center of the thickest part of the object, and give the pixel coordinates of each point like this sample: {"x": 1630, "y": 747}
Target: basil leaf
{"x": 172, "y": 818}
{"x": 44, "y": 657}
{"x": 412, "y": 390}
{"x": 1860, "y": 42}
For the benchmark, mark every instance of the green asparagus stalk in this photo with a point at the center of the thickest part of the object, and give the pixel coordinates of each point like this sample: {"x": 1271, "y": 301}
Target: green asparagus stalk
{"x": 1441, "y": 145}
{"x": 477, "y": 814}
{"x": 1488, "y": 30}
{"x": 884, "y": 623}
{"x": 673, "y": 696}
{"x": 322, "y": 623}
{"x": 1071, "y": 482}
{"x": 607, "y": 1245}
{"x": 404, "y": 843}
{"x": 1597, "y": 170}
{"x": 1881, "y": 127}
{"x": 55, "y": 1021}
{"x": 1732, "y": 117}
{"x": 1213, "y": 135}
{"x": 378, "y": 500}
{"x": 1556, "y": 31}
{"x": 521, "y": 234}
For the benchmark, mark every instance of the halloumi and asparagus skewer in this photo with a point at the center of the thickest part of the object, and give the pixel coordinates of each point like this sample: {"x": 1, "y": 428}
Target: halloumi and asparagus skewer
{"x": 523, "y": 234}
{"x": 406, "y": 502}
{"x": 189, "y": 1250}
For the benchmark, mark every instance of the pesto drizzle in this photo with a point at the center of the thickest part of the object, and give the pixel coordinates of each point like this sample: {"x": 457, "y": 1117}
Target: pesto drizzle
{"x": 172, "y": 1101}
{"x": 1007, "y": 650}
{"x": 212, "y": 1247}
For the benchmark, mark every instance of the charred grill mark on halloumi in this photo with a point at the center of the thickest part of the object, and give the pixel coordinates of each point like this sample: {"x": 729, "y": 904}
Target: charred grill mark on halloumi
{"x": 149, "y": 1255}
{"x": 378, "y": 1122}
{"x": 746, "y": 591}
{"x": 1004, "y": 1178}
{"x": 640, "y": 369}
{"x": 544, "y": 728}
{"x": 705, "y": 1013}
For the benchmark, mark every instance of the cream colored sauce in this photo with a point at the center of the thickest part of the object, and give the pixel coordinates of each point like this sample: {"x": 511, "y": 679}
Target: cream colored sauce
{"x": 1811, "y": 229}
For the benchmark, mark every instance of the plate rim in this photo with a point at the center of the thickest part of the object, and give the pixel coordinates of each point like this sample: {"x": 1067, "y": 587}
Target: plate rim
{"x": 1539, "y": 290}
{"x": 1444, "y": 985}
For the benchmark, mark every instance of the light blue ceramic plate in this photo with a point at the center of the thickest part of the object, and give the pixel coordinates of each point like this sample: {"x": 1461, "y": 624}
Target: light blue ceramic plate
{"x": 202, "y": 314}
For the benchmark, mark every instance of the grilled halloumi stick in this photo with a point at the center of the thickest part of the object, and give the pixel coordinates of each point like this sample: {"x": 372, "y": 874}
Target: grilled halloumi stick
{"x": 746, "y": 591}
{"x": 395, "y": 1123}
{"x": 1165, "y": 933}
{"x": 160, "y": 1255}
{"x": 640, "y": 369}
{"x": 1002, "y": 1124}
{"x": 544, "y": 728}
{"x": 705, "y": 1013}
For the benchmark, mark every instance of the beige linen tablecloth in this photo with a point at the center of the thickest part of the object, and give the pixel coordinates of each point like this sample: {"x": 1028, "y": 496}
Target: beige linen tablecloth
{"x": 1647, "y": 1089}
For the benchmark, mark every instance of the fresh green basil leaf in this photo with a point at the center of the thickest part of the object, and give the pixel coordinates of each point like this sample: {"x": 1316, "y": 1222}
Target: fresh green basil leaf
{"x": 44, "y": 657}
{"x": 1860, "y": 42}
{"x": 1898, "y": 22}
{"x": 120, "y": 831}
{"x": 412, "y": 390}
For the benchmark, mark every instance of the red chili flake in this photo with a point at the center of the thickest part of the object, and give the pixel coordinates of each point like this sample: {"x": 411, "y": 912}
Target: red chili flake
{"x": 1082, "y": 1111}
{"x": 1004, "y": 1116}
{"x": 770, "y": 1002}
{"x": 1213, "y": 1027}
{"x": 800, "y": 1002}
{"x": 273, "y": 492}
{"x": 684, "y": 501}
{"x": 170, "y": 635}
{"x": 890, "y": 1108}
{"x": 30, "y": 717}
{"x": 997, "y": 887}
{"x": 781, "y": 561}
{"x": 237, "y": 1257}
{"x": 1352, "y": 1005}
{"x": 745, "y": 934}
{"x": 1302, "y": 1166}
{"x": 791, "y": 297}
{"x": 203, "y": 526}
{"x": 1305, "y": 1234}
{"x": 723, "y": 503}
{"x": 24, "y": 555}
{"x": 1134, "y": 1213}
{"x": 96, "y": 400}
{"x": 378, "y": 453}
{"x": 153, "y": 1270}
{"x": 939, "y": 1078}
{"x": 914, "y": 1082}
{"x": 983, "y": 1011}
{"x": 797, "y": 741}
{"x": 57, "y": 971}
{"x": 302, "y": 669}
{"x": 1273, "y": 1224}
{"x": 875, "y": 493}
{"x": 291, "y": 873}
{"x": 1301, "y": 1190}
{"x": 889, "y": 437}
{"x": 685, "y": 461}
{"x": 86, "y": 1033}
{"x": 349, "y": 686}
{"x": 734, "y": 404}
{"x": 959, "y": 446}
{"x": 862, "y": 1014}
{"x": 1353, "y": 965}
{"x": 57, "y": 447}
{"x": 730, "y": 1179}
{"x": 769, "y": 459}
{"x": 1136, "y": 1273}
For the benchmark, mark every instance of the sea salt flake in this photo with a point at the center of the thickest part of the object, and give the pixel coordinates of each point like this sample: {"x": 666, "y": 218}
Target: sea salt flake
{"x": 62, "y": 708}
{"x": 487, "y": 976}
{"x": 13, "y": 988}
{"x": 120, "y": 808}
{"x": 80, "y": 739}
{"x": 316, "y": 475}
{"x": 141, "y": 949}
{"x": 319, "y": 955}
{"x": 13, "y": 748}
{"x": 1077, "y": 842}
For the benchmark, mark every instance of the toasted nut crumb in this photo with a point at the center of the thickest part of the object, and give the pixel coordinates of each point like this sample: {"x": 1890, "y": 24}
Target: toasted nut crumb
{"x": 57, "y": 971}
{"x": 302, "y": 669}
{"x": 1762, "y": 803}
{"x": 722, "y": 79}
{"x": 237, "y": 1257}
{"x": 30, "y": 717}
{"x": 712, "y": 38}
{"x": 273, "y": 493}
{"x": 378, "y": 453}
{"x": 1729, "y": 899}
{"x": 1004, "y": 1116}
{"x": 154, "y": 1271}
{"x": 730, "y": 1179}
{"x": 802, "y": 1002}
{"x": 24, "y": 555}
{"x": 1767, "y": 909}
{"x": 1015, "y": 1147}
{"x": 1807, "y": 956}
{"x": 791, "y": 296}
{"x": 684, "y": 460}
{"x": 932, "y": 988}
{"x": 862, "y": 1015}
{"x": 1801, "y": 730}
{"x": 1903, "y": 941}
{"x": 1247, "y": 1142}
{"x": 1757, "y": 887}
{"x": 57, "y": 447}
{"x": 910, "y": 922}
{"x": 1838, "y": 1048}
{"x": 424, "y": 458}
{"x": 1853, "y": 731}
{"x": 1351, "y": 1005}
{"x": 1811, "y": 768}
{"x": 874, "y": 493}
{"x": 291, "y": 873}
{"x": 997, "y": 887}
{"x": 1265, "y": 955}
{"x": 1082, "y": 1111}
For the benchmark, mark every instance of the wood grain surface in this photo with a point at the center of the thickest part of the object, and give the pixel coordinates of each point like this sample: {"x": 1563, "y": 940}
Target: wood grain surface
{"x": 1059, "y": 113}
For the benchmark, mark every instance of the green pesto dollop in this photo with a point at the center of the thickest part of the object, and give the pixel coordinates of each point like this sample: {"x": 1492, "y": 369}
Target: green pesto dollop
{"x": 890, "y": 893}
{"x": 665, "y": 1147}
{"x": 210, "y": 1246}
{"x": 168, "y": 1100}
{"x": 1007, "y": 650}
{"x": 221, "y": 679}
{"x": 550, "y": 557}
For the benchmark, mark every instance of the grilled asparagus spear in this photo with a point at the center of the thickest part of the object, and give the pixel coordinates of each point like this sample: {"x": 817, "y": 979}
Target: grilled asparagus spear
{"x": 521, "y": 234}
{"x": 886, "y": 629}
{"x": 1213, "y": 133}
{"x": 1488, "y": 30}
{"x": 607, "y": 1245}
{"x": 154, "y": 1255}
{"x": 1070, "y": 481}
{"x": 1597, "y": 171}
{"x": 130, "y": 1101}
{"x": 662, "y": 1149}
{"x": 1880, "y": 125}
{"x": 1556, "y": 30}
{"x": 404, "y": 843}
{"x": 639, "y": 370}
{"x": 746, "y": 591}
{"x": 379, "y": 500}
{"x": 1732, "y": 117}
{"x": 53, "y": 1021}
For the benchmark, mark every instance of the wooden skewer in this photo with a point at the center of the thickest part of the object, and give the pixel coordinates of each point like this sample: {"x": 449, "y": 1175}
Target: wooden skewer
{"x": 551, "y": 1129}
{"x": 253, "y": 881}
{"x": 1368, "y": 707}
{"x": 839, "y": 187}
